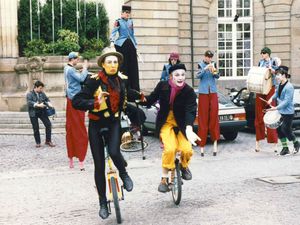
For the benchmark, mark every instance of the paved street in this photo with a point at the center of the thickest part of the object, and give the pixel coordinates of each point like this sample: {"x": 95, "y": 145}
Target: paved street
{"x": 37, "y": 187}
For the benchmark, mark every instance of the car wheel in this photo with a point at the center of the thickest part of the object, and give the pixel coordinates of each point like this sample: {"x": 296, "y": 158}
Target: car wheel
{"x": 230, "y": 136}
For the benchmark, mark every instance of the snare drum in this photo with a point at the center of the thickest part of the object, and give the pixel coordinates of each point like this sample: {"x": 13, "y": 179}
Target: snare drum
{"x": 259, "y": 80}
{"x": 272, "y": 119}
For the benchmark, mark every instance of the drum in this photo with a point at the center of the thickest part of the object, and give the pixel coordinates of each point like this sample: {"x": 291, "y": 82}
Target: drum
{"x": 259, "y": 80}
{"x": 272, "y": 119}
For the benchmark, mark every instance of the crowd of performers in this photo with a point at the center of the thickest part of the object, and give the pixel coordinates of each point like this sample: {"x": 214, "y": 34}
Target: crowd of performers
{"x": 105, "y": 96}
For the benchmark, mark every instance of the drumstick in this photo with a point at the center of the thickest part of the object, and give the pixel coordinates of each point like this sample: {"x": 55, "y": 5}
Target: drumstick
{"x": 264, "y": 100}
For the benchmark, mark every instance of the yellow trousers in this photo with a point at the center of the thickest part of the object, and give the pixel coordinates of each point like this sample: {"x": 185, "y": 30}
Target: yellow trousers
{"x": 173, "y": 143}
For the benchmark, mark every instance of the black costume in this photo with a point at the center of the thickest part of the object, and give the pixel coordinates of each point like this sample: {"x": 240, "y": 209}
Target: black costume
{"x": 105, "y": 118}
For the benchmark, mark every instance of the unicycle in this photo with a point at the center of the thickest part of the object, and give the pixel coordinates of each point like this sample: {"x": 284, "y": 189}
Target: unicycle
{"x": 175, "y": 184}
{"x": 115, "y": 190}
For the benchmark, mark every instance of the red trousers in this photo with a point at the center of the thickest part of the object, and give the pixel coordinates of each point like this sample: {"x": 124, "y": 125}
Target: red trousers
{"x": 208, "y": 117}
{"x": 76, "y": 134}
{"x": 259, "y": 121}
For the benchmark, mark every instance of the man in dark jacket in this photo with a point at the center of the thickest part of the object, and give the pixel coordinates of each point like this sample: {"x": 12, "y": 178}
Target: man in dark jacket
{"x": 174, "y": 122}
{"x": 105, "y": 96}
{"x": 37, "y": 102}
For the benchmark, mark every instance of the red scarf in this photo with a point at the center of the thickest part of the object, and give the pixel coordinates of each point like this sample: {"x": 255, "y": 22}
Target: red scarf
{"x": 114, "y": 94}
{"x": 174, "y": 91}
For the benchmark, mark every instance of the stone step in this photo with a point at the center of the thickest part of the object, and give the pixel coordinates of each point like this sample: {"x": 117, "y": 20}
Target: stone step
{"x": 29, "y": 126}
{"x": 18, "y": 123}
{"x": 26, "y": 120}
{"x": 59, "y": 114}
{"x": 29, "y": 131}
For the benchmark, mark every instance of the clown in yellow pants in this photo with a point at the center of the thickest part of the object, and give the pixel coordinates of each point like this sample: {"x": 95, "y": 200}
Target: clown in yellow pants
{"x": 172, "y": 143}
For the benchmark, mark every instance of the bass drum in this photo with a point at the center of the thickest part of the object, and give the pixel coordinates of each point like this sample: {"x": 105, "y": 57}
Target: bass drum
{"x": 259, "y": 80}
{"x": 272, "y": 119}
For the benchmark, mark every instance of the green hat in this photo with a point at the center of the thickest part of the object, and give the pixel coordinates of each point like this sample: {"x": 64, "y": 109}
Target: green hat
{"x": 266, "y": 50}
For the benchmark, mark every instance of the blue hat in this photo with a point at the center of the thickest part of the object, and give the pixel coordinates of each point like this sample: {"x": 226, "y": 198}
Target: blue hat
{"x": 73, "y": 55}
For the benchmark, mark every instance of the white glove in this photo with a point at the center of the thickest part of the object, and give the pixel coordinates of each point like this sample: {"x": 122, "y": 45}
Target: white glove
{"x": 191, "y": 136}
{"x": 112, "y": 45}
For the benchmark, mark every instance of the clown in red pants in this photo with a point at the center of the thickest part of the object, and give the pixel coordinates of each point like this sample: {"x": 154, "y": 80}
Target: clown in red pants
{"x": 260, "y": 128}
{"x": 208, "y": 120}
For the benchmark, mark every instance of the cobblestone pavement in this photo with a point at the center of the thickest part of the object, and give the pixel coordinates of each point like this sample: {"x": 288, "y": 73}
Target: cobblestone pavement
{"x": 37, "y": 187}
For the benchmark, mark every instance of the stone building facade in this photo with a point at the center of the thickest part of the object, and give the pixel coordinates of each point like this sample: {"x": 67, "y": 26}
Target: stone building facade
{"x": 191, "y": 27}
{"x": 187, "y": 26}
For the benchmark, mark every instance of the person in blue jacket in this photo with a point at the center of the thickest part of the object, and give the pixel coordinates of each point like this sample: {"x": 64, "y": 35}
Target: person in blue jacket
{"x": 284, "y": 95}
{"x": 173, "y": 59}
{"x": 126, "y": 44}
{"x": 208, "y": 106}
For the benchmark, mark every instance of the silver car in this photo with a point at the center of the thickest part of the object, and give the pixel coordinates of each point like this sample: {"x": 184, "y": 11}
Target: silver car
{"x": 232, "y": 118}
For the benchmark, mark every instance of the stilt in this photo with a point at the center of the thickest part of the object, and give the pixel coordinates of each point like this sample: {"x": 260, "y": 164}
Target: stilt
{"x": 215, "y": 148}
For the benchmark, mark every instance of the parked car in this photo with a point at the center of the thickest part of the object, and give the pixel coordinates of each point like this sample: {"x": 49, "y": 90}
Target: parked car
{"x": 232, "y": 118}
{"x": 247, "y": 100}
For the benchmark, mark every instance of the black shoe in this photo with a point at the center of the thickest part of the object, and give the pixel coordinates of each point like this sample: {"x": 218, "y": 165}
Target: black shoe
{"x": 186, "y": 173}
{"x": 202, "y": 154}
{"x": 127, "y": 182}
{"x": 103, "y": 212}
{"x": 163, "y": 186}
{"x": 285, "y": 151}
{"x": 215, "y": 154}
{"x": 296, "y": 147}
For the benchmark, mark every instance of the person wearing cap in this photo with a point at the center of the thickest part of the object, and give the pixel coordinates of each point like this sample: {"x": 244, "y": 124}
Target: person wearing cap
{"x": 268, "y": 62}
{"x": 126, "y": 44}
{"x": 208, "y": 106}
{"x": 174, "y": 122}
{"x": 105, "y": 96}
{"x": 76, "y": 134}
{"x": 284, "y": 95}
{"x": 173, "y": 59}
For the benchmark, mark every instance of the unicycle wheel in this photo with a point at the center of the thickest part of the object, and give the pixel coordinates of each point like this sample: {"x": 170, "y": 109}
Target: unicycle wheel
{"x": 116, "y": 199}
{"x": 177, "y": 184}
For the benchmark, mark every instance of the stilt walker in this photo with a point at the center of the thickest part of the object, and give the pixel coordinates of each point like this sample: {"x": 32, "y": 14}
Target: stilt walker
{"x": 126, "y": 45}
{"x": 260, "y": 105}
{"x": 208, "y": 106}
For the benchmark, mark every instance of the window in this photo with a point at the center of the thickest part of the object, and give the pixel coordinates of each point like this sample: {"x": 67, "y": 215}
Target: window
{"x": 234, "y": 38}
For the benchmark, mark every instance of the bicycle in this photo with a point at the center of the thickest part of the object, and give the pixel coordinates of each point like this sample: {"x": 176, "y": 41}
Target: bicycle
{"x": 116, "y": 193}
{"x": 133, "y": 139}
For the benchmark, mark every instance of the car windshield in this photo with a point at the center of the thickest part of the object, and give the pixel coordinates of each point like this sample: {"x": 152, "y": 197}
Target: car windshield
{"x": 224, "y": 100}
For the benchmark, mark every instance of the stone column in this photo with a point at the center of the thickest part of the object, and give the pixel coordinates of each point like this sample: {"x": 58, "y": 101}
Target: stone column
{"x": 278, "y": 28}
{"x": 8, "y": 29}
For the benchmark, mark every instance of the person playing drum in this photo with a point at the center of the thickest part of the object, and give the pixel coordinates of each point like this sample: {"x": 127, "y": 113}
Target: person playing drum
{"x": 284, "y": 95}
{"x": 260, "y": 105}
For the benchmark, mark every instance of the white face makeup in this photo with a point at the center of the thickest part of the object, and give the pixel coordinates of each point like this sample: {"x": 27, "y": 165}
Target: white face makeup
{"x": 178, "y": 77}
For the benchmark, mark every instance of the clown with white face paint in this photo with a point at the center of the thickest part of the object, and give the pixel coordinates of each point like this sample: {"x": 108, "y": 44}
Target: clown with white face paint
{"x": 105, "y": 96}
{"x": 174, "y": 122}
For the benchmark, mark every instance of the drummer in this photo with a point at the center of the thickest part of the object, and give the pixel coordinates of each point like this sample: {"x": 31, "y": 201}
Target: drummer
{"x": 284, "y": 95}
{"x": 268, "y": 62}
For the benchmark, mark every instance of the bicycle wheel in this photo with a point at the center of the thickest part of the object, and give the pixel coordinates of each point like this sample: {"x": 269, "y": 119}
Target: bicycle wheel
{"x": 176, "y": 187}
{"x": 133, "y": 146}
{"x": 116, "y": 199}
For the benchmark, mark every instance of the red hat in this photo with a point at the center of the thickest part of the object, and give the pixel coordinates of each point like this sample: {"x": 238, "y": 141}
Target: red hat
{"x": 174, "y": 55}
